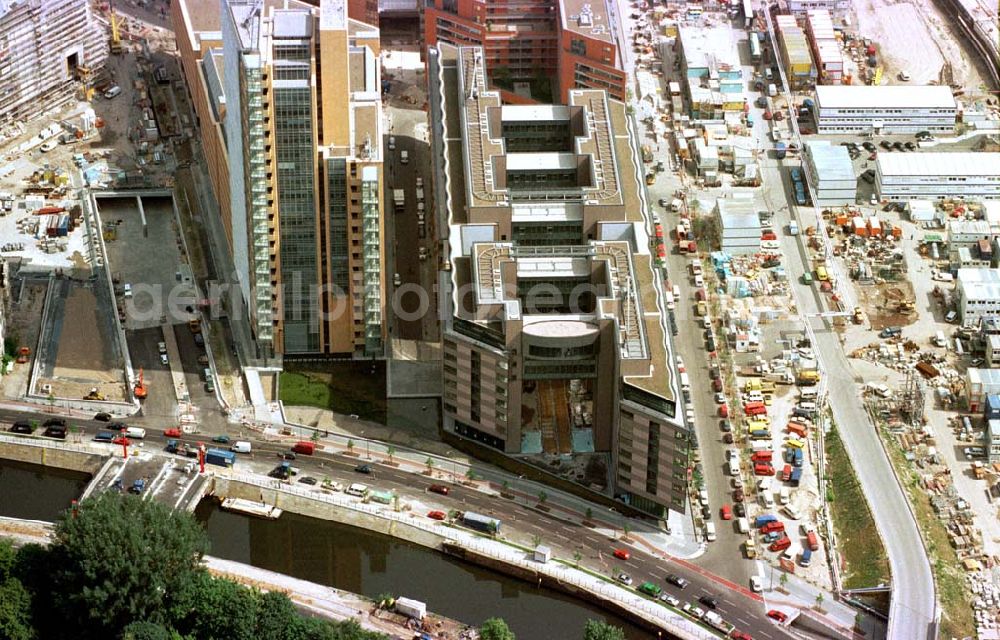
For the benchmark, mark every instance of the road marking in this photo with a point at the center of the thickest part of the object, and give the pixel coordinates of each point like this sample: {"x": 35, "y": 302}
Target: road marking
{"x": 742, "y": 622}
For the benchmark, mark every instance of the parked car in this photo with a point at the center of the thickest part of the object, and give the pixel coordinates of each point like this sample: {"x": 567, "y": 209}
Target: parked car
{"x": 307, "y": 480}
{"x": 102, "y": 417}
{"x": 221, "y": 439}
{"x": 22, "y": 428}
{"x": 669, "y": 599}
{"x": 437, "y": 515}
{"x": 364, "y": 468}
{"x": 740, "y": 510}
{"x": 624, "y": 578}
{"x": 726, "y": 512}
{"x": 172, "y": 433}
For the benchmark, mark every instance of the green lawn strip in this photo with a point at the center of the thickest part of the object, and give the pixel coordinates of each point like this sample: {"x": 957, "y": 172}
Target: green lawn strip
{"x": 338, "y": 392}
{"x": 858, "y": 539}
{"x": 952, "y": 590}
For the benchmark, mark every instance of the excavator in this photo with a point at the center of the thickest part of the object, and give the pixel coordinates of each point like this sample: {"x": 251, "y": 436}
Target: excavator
{"x": 140, "y": 387}
{"x": 116, "y": 37}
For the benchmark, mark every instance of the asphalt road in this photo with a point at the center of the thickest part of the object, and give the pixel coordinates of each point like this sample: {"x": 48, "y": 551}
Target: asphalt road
{"x": 563, "y": 536}
{"x": 913, "y": 603}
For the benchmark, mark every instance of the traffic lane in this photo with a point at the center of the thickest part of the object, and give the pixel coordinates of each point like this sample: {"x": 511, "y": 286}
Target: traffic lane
{"x": 144, "y": 352}
{"x": 406, "y": 237}
{"x": 341, "y": 468}
{"x": 640, "y": 565}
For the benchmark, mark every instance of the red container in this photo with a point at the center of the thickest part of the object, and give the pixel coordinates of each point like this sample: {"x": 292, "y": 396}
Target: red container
{"x": 780, "y": 544}
{"x": 305, "y": 448}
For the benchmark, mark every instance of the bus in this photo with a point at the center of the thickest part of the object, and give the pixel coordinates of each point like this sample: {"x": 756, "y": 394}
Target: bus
{"x": 755, "y": 53}
{"x": 480, "y": 522}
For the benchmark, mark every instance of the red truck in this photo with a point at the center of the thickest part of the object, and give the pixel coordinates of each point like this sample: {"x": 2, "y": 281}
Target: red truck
{"x": 762, "y": 456}
{"x": 775, "y": 525}
{"x": 812, "y": 540}
{"x": 763, "y": 469}
{"x": 798, "y": 429}
{"x": 781, "y": 544}
{"x": 755, "y": 409}
{"x": 786, "y": 473}
{"x": 305, "y": 448}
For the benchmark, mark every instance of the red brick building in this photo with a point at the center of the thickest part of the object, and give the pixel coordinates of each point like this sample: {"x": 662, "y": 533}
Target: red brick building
{"x": 569, "y": 42}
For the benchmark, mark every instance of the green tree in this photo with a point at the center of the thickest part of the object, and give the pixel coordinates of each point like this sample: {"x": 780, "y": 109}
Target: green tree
{"x": 577, "y": 556}
{"x": 350, "y": 446}
{"x": 120, "y": 560}
{"x": 819, "y": 599}
{"x": 221, "y": 609}
{"x": 589, "y": 514}
{"x": 275, "y": 615}
{"x": 430, "y": 465}
{"x": 391, "y": 451}
{"x": 470, "y": 475}
{"x": 598, "y": 630}
{"x": 146, "y": 631}
{"x": 15, "y": 611}
{"x": 495, "y": 629}
{"x": 542, "y": 497}
{"x": 536, "y": 540}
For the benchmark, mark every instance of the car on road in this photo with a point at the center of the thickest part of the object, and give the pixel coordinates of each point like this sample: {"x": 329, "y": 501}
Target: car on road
{"x": 437, "y": 515}
{"x": 780, "y": 616}
{"x": 709, "y": 601}
{"x": 364, "y": 468}
{"x": 756, "y": 584}
{"x": 624, "y": 578}
{"x": 439, "y": 489}
{"x": 669, "y": 599}
{"x": 22, "y": 427}
{"x": 650, "y": 589}
{"x": 102, "y": 417}
{"x": 221, "y": 439}
{"x": 54, "y": 422}
{"x": 740, "y": 635}
{"x": 726, "y": 512}
{"x": 172, "y": 433}
{"x": 622, "y": 554}
{"x": 677, "y": 581}
{"x": 307, "y": 480}
{"x": 286, "y": 455}
{"x": 695, "y": 612}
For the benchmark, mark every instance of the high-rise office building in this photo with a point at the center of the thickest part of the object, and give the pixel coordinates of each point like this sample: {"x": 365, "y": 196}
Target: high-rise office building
{"x": 46, "y": 47}
{"x": 554, "y": 339}
{"x": 302, "y": 123}
{"x": 570, "y": 43}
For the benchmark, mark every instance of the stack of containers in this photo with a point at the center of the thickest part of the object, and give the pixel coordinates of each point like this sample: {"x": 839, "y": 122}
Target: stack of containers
{"x": 825, "y": 47}
{"x": 795, "y": 54}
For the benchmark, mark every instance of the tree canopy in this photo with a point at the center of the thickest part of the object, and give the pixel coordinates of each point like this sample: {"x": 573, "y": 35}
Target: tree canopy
{"x": 130, "y": 569}
{"x": 598, "y": 630}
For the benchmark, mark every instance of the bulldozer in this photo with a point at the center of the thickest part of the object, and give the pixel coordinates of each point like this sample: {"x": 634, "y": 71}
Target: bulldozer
{"x": 859, "y": 316}
{"x": 94, "y": 395}
{"x": 905, "y": 307}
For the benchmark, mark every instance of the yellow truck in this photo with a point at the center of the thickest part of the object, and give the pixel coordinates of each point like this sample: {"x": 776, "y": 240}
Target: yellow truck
{"x": 808, "y": 378}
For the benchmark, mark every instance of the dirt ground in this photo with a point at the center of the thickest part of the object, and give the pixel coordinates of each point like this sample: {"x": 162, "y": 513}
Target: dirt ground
{"x": 880, "y": 302}
{"x": 913, "y": 36}
{"x": 23, "y": 322}
{"x": 83, "y": 349}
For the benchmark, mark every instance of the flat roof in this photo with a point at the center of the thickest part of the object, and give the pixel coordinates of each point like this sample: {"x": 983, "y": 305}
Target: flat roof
{"x": 587, "y": 17}
{"x": 710, "y": 47}
{"x": 540, "y": 161}
{"x": 546, "y": 212}
{"x": 884, "y": 97}
{"x": 832, "y": 162}
{"x": 943, "y": 163}
{"x": 979, "y": 283}
{"x": 522, "y": 112}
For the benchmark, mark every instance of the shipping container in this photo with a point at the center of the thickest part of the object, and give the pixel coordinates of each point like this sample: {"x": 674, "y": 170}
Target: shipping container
{"x": 220, "y": 457}
{"x": 480, "y": 522}
{"x": 382, "y": 497}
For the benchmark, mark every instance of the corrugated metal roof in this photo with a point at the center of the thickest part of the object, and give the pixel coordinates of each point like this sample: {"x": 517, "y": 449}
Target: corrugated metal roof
{"x": 967, "y": 163}
{"x": 832, "y": 162}
{"x": 884, "y": 97}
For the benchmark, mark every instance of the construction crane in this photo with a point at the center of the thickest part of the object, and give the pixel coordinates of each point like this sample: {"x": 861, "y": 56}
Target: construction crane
{"x": 116, "y": 37}
{"x": 140, "y": 387}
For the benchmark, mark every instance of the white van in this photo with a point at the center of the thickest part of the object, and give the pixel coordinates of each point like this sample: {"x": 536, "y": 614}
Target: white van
{"x": 807, "y": 393}
{"x": 939, "y": 339}
{"x": 404, "y": 157}
{"x": 783, "y": 496}
{"x": 113, "y": 92}
{"x": 240, "y": 446}
{"x": 710, "y": 531}
{"x": 767, "y": 499}
{"x": 734, "y": 466}
{"x": 670, "y": 299}
{"x": 743, "y": 525}
{"x": 357, "y": 489}
{"x": 136, "y": 433}
{"x": 772, "y": 90}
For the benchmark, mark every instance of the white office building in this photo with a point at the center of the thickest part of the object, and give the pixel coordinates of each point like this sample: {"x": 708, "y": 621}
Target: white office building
{"x": 887, "y": 109}
{"x": 739, "y": 225}
{"x": 831, "y": 174}
{"x": 936, "y": 175}
{"x": 978, "y": 295}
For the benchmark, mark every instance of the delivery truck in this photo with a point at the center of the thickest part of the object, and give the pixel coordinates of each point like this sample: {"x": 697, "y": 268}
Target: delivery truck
{"x": 220, "y": 457}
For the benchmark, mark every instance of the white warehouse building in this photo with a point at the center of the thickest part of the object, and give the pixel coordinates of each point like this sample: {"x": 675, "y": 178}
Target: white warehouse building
{"x": 935, "y": 175}
{"x": 886, "y": 109}
{"x": 739, "y": 225}
{"x": 978, "y": 295}
{"x": 831, "y": 174}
